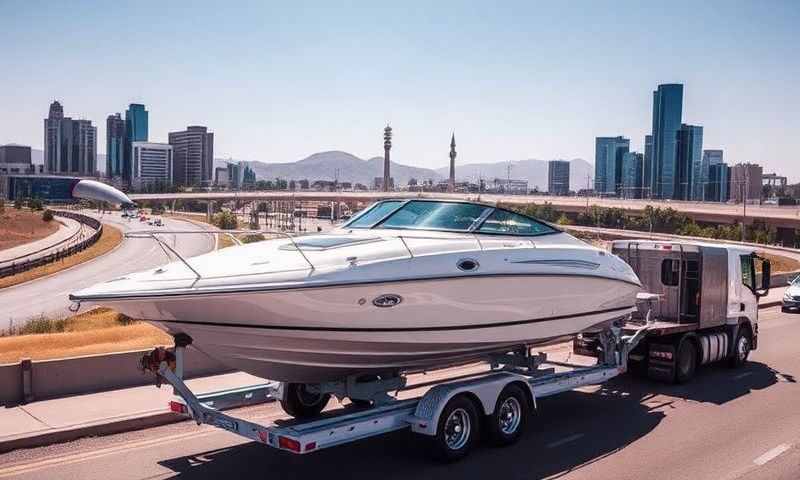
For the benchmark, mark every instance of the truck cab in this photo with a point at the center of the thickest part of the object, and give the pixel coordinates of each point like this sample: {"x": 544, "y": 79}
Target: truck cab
{"x": 699, "y": 300}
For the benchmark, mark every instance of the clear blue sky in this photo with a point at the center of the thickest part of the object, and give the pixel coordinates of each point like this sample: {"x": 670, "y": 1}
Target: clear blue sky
{"x": 277, "y": 82}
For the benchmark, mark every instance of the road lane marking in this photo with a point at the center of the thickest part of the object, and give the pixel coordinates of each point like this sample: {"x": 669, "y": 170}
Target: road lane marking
{"x": 772, "y": 454}
{"x": 72, "y": 458}
{"x": 565, "y": 440}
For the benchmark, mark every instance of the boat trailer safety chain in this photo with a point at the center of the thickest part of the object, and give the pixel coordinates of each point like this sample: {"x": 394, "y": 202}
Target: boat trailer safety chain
{"x": 151, "y": 361}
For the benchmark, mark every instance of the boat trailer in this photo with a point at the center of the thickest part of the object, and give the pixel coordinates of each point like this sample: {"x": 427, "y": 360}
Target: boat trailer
{"x": 505, "y": 396}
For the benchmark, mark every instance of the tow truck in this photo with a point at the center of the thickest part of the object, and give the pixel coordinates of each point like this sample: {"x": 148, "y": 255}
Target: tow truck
{"x": 700, "y": 305}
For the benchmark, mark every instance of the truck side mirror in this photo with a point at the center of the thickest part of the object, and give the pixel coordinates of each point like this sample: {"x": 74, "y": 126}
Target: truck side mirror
{"x": 765, "y": 278}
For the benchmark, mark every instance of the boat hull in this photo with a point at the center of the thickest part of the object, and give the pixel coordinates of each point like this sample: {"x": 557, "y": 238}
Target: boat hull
{"x": 327, "y": 333}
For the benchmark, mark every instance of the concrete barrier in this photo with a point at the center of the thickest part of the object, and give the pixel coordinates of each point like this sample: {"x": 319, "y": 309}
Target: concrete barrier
{"x": 86, "y": 374}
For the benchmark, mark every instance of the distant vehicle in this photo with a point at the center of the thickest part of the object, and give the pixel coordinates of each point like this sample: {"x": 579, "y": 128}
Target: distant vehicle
{"x": 158, "y": 222}
{"x": 142, "y": 218}
{"x": 791, "y": 299}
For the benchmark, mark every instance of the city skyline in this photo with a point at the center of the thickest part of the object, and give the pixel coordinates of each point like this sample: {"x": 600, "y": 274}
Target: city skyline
{"x": 544, "y": 98}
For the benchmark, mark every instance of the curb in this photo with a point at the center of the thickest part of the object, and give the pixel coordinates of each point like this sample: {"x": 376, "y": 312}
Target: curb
{"x": 98, "y": 428}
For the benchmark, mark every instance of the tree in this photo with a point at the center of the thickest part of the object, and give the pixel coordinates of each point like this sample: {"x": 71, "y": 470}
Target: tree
{"x": 18, "y": 203}
{"x": 47, "y": 216}
{"x": 35, "y": 204}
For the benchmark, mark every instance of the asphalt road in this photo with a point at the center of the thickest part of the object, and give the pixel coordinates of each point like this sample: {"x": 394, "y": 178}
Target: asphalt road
{"x": 48, "y": 295}
{"x": 726, "y": 424}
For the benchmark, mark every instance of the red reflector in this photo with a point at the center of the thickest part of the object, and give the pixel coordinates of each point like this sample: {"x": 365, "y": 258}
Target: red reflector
{"x": 311, "y": 446}
{"x": 289, "y": 444}
{"x": 177, "y": 407}
{"x": 667, "y": 247}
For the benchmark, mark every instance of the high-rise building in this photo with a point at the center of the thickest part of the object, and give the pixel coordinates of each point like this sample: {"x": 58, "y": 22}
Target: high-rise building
{"x": 667, "y": 114}
{"x": 558, "y": 177}
{"x": 151, "y": 164}
{"x": 692, "y": 177}
{"x": 711, "y": 158}
{"x": 15, "y": 159}
{"x": 718, "y": 181}
{"x": 115, "y": 145}
{"x": 70, "y": 146}
{"x": 240, "y": 175}
{"x": 647, "y": 166}
{"x": 745, "y": 182}
{"x": 193, "y": 156}
{"x": 608, "y": 164}
{"x": 136, "y": 130}
{"x": 632, "y": 166}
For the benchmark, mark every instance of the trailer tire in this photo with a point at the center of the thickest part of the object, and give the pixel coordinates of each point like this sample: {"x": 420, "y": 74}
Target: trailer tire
{"x": 510, "y": 417}
{"x": 300, "y": 403}
{"x": 457, "y": 430}
{"x": 741, "y": 347}
{"x": 685, "y": 361}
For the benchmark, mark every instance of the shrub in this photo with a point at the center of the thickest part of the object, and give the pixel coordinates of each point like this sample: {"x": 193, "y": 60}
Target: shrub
{"x": 225, "y": 220}
{"x": 35, "y": 204}
{"x": 18, "y": 204}
{"x": 2, "y": 205}
{"x": 47, "y": 216}
{"x": 252, "y": 238}
{"x": 43, "y": 324}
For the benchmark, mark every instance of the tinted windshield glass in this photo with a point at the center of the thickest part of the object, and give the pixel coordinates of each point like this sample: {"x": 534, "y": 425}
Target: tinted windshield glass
{"x": 374, "y": 214}
{"x": 504, "y": 222}
{"x": 435, "y": 216}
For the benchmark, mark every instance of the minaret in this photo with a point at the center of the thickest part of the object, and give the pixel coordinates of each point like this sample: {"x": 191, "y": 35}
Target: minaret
{"x": 387, "y": 145}
{"x": 451, "y": 185}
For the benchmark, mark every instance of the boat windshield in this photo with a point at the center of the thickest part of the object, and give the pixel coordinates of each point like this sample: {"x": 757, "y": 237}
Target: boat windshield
{"x": 448, "y": 216}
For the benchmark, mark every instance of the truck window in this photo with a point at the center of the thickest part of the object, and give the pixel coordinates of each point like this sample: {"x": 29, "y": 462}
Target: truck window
{"x": 748, "y": 275}
{"x": 670, "y": 269}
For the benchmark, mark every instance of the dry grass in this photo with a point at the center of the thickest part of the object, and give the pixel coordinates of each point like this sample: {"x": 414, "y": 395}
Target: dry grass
{"x": 100, "y": 330}
{"x": 110, "y": 238}
{"x": 18, "y": 227}
{"x": 779, "y": 263}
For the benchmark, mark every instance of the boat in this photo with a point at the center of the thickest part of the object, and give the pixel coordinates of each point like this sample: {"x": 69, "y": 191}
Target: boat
{"x": 404, "y": 285}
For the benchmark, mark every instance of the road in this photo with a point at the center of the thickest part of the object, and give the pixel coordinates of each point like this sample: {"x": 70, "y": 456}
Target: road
{"x": 726, "y": 424}
{"x": 48, "y": 295}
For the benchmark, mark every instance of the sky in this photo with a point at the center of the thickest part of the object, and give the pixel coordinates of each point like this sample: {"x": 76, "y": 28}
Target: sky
{"x": 278, "y": 81}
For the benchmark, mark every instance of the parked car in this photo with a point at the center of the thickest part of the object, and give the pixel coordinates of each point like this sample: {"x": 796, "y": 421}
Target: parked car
{"x": 791, "y": 298}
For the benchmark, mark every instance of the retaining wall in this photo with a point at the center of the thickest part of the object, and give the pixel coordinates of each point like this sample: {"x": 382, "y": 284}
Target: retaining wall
{"x": 86, "y": 374}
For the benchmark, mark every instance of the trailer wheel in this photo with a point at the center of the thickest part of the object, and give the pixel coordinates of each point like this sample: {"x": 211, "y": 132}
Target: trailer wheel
{"x": 686, "y": 361}
{"x": 510, "y": 417}
{"x": 742, "y": 347}
{"x": 299, "y": 402}
{"x": 457, "y": 429}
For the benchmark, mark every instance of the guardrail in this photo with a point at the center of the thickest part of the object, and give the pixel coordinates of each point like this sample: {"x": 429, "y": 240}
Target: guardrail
{"x": 96, "y": 225}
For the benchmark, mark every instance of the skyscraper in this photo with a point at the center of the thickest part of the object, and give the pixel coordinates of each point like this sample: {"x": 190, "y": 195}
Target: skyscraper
{"x": 136, "y": 126}
{"x": 152, "y": 164}
{"x": 632, "y": 165}
{"x": 115, "y": 145}
{"x": 667, "y": 113}
{"x": 718, "y": 181}
{"x": 692, "y": 177}
{"x": 558, "y": 177}
{"x": 70, "y": 146}
{"x": 647, "y": 166}
{"x": 193, "y": 156}
{"x": 608, "y": 164}
{"x": 745, "y": 181}
{"x": 451, "y": 184}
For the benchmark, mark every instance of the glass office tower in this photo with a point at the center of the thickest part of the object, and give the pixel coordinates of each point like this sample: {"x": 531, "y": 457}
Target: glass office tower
{"x": 667, "y": 112}
{"x": 136, "y": 120}
{"x": 692, "y": 177}
{"x": 608, "y": 164}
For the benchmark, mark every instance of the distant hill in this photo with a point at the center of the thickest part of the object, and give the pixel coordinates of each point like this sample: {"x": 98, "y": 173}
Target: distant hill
{"x": 326, "y": 165}
{"x": 535, "y": 171}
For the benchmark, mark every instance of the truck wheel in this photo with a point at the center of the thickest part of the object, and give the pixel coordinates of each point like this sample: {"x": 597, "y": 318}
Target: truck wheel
{"x": 299, "y": 402}
{"x": 741, "y": 349}
{"x": 457, "y": 429}
{"x": 510, "y": 417}
{"x": 686, "y": 361}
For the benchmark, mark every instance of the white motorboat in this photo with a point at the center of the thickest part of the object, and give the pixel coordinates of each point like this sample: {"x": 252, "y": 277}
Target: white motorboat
{"x": 405, "y": 285}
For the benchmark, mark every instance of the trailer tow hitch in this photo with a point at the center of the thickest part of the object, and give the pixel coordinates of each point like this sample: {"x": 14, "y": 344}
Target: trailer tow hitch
{"x": 150, "y": 362}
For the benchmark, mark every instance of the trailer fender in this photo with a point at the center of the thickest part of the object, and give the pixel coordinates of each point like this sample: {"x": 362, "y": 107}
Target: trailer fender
{"x": 482, "y": 391}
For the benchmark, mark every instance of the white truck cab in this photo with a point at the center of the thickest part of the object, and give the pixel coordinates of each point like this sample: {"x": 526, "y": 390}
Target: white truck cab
{"x": 707, "y": 303}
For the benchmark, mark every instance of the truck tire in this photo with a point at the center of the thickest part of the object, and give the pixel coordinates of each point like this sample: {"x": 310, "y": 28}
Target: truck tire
{"x": 685, "y": 360}
{"x": 510, "y": 417}
{"x": 741, "y": 347}
{"x": 301, "y": 403}
{"x": 457, "y": 430}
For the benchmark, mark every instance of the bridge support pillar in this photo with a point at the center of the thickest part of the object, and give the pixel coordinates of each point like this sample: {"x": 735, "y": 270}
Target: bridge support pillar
{"x": 209, "y": 210}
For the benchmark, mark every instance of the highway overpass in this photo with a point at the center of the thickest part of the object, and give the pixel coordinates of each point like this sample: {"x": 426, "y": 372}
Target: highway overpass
{"x": 783, "y": 217}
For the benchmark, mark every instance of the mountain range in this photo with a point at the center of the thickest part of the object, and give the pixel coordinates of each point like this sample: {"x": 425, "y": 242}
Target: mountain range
{"x": 350, "y": 168}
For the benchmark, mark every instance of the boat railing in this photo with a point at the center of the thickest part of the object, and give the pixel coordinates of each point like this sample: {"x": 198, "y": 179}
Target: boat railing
{"x": 165, "y": 247}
